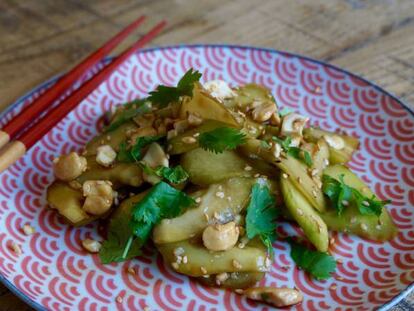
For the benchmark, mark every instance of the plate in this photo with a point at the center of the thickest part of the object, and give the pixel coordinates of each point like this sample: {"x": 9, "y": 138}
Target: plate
{"x": 54, "y": 272}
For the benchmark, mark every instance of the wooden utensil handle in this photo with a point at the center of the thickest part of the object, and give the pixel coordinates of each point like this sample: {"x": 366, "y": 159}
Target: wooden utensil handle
{"x": 4, "y": 138}
{"x": 11, "y": 153}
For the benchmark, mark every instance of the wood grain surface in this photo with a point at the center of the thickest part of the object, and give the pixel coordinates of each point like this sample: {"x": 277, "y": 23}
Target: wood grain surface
{"x": 373, "y": 38}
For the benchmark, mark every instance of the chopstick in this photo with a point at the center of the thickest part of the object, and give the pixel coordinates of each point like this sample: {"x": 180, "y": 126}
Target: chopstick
{"x": 16, "y": 149}
{"x": 20, "y": 122}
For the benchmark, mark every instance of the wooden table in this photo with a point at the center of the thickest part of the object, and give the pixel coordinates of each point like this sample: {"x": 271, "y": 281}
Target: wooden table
{"x": 39, "y": 39}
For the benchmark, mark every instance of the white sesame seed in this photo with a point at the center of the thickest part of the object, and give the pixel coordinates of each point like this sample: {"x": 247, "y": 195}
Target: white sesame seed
{"x": 339, "y": 261}
{"x": 28, "y": 230}
{"x": 178, "y": 251}
{"x": 285, "y": 176}
{"x": 220, "y": 194}
{"x": 248, "y": 168}
{"x": 198, "y": 200}
{"x": 229, "y": 199}
{"x": 378, "y": 227}
{"x": 333, "y": 287}
{"x": 185, "y": 259}
{"x": 196, "y": 135}
{"x": 131, "y": 270}
{"x": 236, "y": 264}
{"x": 203, "y": 270}
{"x": 91, "y": 245}
{"x": 256, "y": 175}
{"x": 332, "y": 241}
{"x": 188, "y": 140}
{"x": 365, "y": 203}
{"x": 119, "y": 299}
{"x": 345, "y": 203}
{"x": 239, "y": 291}
{"x": 16, "y": 248}
{"x": 364, "y": 227}
{"x": 300, "y": 212}
{"x": 299, "y": 180}
{"x": 175, "y": 265}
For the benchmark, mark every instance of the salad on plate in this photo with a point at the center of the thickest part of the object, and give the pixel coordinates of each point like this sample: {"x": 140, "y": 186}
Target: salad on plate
{"x": 205, "y": 173}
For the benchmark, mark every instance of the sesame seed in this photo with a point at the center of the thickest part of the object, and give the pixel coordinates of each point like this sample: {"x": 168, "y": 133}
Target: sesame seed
{"x": 314, "y": 193}
{"x": 206, "y": 216}
{"x": 178, "y": 251}
{"x": 364, "y": 227}
{"x": 196, "y": 135}
{"x": 203, "y": 270}
{"x": 285, "y": 176}
{"x": 353, "y": 220}
{"x": 222, "y": 277}
{"x": 28, "y": 230}
{"x": 333, "y": 287}
{"x": 185, "y": 259}
{"x": 188, "y": 140}
{"x": 220, "y": 194}
{"x": 248, "y": 168}
{"x": 378, "y": 227}
{"x": 131, "y": 270}
{"x": 241, "y": 245}
{"x": 198, "y": 200}
{"x": 300, "y": 212}
{"x": 326, "y": 162}
{"x": 339, "y": 261}
{"x": 365, "y": 203}
{"x": 314, "y": 172}
{"x": 339, "y": 278}
{"x": 345, "y": 203}
{"x": 236, "y": 264}
{"x": 256, "y": 175}
{"x": 175, "y": 265}
{"x": 239, "y": 291}
{"x": 332, "y": 241}
{"x": 119, "y": 299}
{"x": 229, "y": 199}
{"x": 16, "y": 248}
{"x": 299, "y": 180}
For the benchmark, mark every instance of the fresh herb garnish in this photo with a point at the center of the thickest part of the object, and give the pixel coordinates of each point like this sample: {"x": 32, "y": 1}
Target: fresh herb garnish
{"x": 163, "y": 95}
{"x": 130, "y": 110}
{"x": 261, "y": 215}
{"x": 118, "y": 246}
{"x": 174, "y": 175}
{"x": 296, "y": 152}
{"x": 163, "y": 201}
{"x": 128, "y": 233}
{"x": 264, "y": 144}
{"x": 319, "y": 265}
{"x": 221, "y": 139}
{"x": 134, "y": 153}
{"x": 342, "y": 195}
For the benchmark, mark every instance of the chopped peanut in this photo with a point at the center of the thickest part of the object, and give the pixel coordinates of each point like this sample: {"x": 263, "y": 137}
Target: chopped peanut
{"x": 278, "y": 297}
{"x": 221, "y": 237}
{"x": 70, "y": 166}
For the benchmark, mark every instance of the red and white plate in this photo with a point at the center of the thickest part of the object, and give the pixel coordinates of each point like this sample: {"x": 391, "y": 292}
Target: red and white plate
{"x": 53, "y": 272}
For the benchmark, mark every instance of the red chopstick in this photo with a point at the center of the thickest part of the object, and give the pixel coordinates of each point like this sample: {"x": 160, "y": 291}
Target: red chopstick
{"x": 20, "y": 122}
{"x": 16, "y": 149}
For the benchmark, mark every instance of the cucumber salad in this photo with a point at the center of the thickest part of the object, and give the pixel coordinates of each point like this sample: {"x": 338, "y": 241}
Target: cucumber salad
{"x": 206, "y": 173}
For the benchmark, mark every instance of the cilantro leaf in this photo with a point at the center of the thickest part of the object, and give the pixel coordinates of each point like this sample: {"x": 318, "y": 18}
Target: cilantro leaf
{"x": 221, "y": 139}
{"x": 175, "y": 175}
{"x": 261, "y": 215}
{"x": 118, "y": 246}
{"x": 162, "y": 201}
{"x": 342, "y": 195}
{"x": 134, "y": 153}
{"x": 129, "y": 232}
{"x": 319, "y": 265}
{"x": 131, "y": 110}
{"x": 295, "y": 152}
{"x": 163, "y": 95}
{"x": 307, "y": 158}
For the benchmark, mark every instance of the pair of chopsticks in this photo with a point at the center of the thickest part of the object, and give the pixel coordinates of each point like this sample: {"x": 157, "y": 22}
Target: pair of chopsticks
{"x": 15, "y": 146}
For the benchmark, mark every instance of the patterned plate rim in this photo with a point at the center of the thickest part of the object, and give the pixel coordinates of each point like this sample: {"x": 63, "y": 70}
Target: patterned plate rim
{"x": 396, "y": 299}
